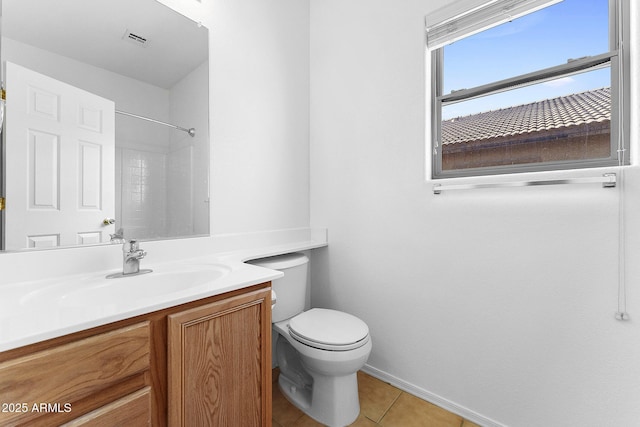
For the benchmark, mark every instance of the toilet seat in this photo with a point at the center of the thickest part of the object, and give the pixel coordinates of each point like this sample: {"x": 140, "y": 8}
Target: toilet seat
{"x": 329, "y": 330}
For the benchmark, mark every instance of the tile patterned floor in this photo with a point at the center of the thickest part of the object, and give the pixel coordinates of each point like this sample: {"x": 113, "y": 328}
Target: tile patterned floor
{"x": 381, "y": 404}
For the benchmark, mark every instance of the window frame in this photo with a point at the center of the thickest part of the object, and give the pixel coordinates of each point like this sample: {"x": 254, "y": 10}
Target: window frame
{"x": 617, "y": 59}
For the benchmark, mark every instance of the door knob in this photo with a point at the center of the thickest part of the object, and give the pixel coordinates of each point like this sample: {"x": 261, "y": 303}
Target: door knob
{"x": 108, "y": 221}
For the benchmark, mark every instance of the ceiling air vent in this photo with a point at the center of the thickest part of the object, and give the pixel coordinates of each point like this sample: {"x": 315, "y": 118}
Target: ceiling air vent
{"x": 136, "y": 39}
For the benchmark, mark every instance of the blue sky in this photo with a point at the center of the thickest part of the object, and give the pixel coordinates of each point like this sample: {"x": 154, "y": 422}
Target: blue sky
{"x": 549, "y": 37}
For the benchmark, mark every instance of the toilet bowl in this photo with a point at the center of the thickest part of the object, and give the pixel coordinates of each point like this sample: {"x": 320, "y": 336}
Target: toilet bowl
{"x": 318, "y": 351}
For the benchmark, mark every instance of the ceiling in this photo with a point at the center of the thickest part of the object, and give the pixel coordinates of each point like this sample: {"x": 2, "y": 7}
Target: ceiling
{"x": 93, "y": 31}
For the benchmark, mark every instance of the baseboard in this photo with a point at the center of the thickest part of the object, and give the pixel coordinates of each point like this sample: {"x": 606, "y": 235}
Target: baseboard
{"x": 431, "y": 397}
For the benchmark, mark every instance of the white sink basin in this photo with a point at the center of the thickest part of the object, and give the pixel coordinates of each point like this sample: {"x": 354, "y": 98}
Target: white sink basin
{"x": 142, "y": 287}
{"x": 92, "y": 291}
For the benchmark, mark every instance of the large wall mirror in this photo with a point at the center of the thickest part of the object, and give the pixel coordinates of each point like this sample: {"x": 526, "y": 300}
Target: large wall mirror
{"x": 106, "y": 123}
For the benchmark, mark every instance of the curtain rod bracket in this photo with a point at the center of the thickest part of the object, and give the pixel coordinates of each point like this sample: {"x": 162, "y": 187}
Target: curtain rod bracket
{"x": 612, "y": 180}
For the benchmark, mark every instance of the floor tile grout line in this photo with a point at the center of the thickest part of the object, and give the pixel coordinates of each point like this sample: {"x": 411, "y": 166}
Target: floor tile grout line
{"x": 390, "y": 406}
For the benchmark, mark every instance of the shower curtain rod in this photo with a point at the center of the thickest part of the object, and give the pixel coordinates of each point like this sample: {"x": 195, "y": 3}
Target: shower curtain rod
{"x": 190, "y": 131}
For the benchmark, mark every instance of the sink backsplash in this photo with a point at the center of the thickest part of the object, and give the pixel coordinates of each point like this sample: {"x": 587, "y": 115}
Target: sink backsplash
{"x": 50, "y": 263}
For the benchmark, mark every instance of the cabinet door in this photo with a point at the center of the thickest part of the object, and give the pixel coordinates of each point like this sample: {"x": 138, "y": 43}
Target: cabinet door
{"x": 220, "y": 363}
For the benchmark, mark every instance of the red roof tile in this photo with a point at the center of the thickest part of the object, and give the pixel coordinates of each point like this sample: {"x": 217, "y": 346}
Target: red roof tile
{"x": 576, "y": 109}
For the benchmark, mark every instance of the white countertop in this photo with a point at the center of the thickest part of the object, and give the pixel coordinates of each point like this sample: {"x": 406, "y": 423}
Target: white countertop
{"x": 38, "y": 310}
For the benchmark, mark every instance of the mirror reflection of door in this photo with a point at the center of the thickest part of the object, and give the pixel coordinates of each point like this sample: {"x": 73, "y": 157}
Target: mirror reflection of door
{"x": 61, "y": 142}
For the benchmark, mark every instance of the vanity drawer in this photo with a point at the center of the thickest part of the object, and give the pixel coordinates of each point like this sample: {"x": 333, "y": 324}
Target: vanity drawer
{"x": 64, "y": 374}
{"x": 131, "y": 410}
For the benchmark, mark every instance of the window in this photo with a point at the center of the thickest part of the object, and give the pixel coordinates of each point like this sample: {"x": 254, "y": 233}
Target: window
{"x": 542, "y": 91}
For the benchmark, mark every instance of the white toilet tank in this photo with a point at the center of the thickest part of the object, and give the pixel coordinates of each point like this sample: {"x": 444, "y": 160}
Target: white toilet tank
{"x": 291, "y": 290}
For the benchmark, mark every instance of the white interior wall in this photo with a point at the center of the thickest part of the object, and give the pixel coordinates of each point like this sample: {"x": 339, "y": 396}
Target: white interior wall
{"x": 498, "y": 304}
{"x": 259, "y": 115}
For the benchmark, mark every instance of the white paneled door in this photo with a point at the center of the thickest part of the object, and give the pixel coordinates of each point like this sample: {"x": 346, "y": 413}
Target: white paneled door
{"x": 60, "y": 154}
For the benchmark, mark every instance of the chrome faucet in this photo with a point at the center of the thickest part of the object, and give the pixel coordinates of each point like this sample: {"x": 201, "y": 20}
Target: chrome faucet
{"x": 118, "y": 236}
{"x": 132, "y": 254}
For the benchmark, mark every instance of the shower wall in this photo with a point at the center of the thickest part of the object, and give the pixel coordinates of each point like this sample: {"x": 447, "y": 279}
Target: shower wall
{"x": 140, "y": 192}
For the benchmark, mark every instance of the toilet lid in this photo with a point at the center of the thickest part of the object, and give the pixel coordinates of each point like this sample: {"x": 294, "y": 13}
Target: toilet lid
{"x": 329, "y": 329}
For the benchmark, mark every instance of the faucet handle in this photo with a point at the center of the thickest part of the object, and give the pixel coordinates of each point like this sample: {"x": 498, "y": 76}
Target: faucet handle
{"x": 130, "y": 246}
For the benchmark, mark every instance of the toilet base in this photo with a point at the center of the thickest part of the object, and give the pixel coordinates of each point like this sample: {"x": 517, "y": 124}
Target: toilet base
{"x": 332, "y": 401}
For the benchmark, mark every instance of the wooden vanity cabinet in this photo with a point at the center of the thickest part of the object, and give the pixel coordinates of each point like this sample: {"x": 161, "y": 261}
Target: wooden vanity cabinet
{"x": 219, "y": 360}
{"x": 53, "y": 385}
{"x": 205, "y": 360}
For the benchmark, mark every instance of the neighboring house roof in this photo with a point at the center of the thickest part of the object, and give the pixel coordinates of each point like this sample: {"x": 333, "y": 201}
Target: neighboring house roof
{"x": 565, "y": 111}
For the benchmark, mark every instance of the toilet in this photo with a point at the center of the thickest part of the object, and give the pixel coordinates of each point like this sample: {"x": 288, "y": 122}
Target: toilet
{"x": 318, "y": 351}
